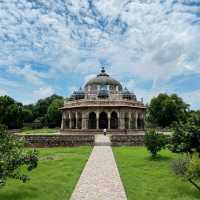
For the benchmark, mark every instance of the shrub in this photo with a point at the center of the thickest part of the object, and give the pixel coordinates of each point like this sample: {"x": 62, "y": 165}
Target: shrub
{"x": 188, "y": 169}
{"x": 154, "y": 141}
{"x": 13, "y": 157}
{"x": 180, "y": 166}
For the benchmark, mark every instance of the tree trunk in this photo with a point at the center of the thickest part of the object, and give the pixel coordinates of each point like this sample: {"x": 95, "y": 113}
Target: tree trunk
{"x": 193, "y": 183}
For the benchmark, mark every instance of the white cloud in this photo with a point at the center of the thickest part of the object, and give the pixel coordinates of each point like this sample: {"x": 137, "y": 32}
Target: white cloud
{"x": 3, "y": 92}
{"x": 88, "y": 77}
{"x": 10, "y": 83}
{"x": 192, "y": 97}
{"x": 28, "y": 73}
{"x": 42, "y": 92}
{"x": 160, "y": 38}
{"x": 148, "y": 39}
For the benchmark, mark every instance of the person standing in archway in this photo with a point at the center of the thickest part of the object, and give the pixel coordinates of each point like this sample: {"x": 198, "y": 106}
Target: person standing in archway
{"x": 104, "y": 131}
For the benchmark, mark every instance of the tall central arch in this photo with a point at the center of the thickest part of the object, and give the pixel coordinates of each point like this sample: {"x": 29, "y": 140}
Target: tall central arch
{"x": 114, "y": 120}
{"x": 103, "y": 120}
{"x": 92, "y": 123}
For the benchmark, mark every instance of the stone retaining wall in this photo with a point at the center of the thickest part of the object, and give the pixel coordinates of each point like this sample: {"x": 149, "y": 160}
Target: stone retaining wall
{"x": 128, "y": 140}
{"x": 57, "y": 140}
{"x": 100, "y": 131}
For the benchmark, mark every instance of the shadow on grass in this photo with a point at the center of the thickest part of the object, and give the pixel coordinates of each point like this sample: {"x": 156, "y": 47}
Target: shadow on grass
{"x": 192, "y": 192}
{"x": 158, "y": 158}
{"x": 30, "y": 193}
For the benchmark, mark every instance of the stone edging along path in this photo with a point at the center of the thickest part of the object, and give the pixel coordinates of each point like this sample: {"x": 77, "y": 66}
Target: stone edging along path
{"x": 100, "y": 179}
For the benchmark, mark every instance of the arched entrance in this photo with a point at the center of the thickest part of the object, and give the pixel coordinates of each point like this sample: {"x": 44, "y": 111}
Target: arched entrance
{"x": 114, "y": 120}
{"x": 140, "y": 122}
{"x": 92, "y": 123}
{"x": 126, "y": 121}
{"x": 79, "y": 120}
{"x": 67, "y": 121}
{"x": 132, "y": 125}
{"x": 103, "y": 120}
{"x": 73, "y": 121}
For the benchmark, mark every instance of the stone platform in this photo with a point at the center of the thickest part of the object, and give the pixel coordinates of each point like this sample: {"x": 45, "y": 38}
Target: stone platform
{"x": 100, "y": 131}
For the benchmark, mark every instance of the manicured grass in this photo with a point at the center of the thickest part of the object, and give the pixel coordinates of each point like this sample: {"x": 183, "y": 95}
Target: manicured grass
{"x": 41, "y": 131}
{"x": 55, "y": 178}
{"x": 148, "y": 179}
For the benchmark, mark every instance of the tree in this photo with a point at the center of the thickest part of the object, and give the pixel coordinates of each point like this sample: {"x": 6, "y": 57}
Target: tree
{"x": 10, "y": 112}
{"x": 54, "y": 114}
{"x": 194, "y": 117}
{"x": 164, "y": 110}
{"x": 27, "y": 115}
{"x": 14, "y": 114}
{"x": 40, "y": 110}
{"x": 154, "y": 142}
{"x": 13, "y": 157}
{"x": 188, "y": 169}
{"x": 186, "y": 138}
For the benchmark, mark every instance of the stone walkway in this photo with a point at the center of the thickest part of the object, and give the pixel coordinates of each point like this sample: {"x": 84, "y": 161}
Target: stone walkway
{"x": 100, "y": 178}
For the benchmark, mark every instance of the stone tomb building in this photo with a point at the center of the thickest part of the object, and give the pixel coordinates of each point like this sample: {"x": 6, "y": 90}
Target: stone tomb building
{"x": 103, "y": 103}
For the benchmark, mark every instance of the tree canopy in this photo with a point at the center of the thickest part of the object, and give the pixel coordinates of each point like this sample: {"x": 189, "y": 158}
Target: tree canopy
{"x": 45, "y": 111}
{"x": 165, "y": 109}
{"x": 10, "y": 112}
{"x": 54, "y": 114}
{"x": 186, "y": 137}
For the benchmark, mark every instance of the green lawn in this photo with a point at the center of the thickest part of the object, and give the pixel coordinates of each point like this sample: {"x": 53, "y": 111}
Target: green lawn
{"x": 41, "y": 131}
{"x": 54, "y": 179}
{"x": 147, "y": 179}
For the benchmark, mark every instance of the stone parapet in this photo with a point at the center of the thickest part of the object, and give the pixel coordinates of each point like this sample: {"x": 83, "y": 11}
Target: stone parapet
{"x": 58, "y": 140}
{"x": 127, "y": 140}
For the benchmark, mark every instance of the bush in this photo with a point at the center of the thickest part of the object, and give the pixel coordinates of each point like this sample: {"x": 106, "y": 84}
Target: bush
{"x": 180, "y": 166}
{"x": 154, "y": 141}
{"x": 13, "y": 157}
{"x": 187, "y": 168}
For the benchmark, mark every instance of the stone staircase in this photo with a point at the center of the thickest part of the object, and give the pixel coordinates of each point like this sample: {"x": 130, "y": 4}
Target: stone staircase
{"x": 102, "y": 140}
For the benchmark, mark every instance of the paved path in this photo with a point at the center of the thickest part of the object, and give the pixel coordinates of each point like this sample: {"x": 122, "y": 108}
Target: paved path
{"x": 100, "y": 178}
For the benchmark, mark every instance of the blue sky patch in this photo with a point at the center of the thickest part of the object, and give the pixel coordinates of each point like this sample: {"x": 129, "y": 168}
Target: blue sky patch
{"x": 56, "y": 46}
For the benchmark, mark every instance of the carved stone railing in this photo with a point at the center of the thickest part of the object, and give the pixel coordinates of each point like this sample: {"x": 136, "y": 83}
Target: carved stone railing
{"x": 103, "y": 103}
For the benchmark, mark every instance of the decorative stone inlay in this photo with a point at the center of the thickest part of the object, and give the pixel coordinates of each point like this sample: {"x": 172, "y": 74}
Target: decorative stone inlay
{"x": 99, "y": 103}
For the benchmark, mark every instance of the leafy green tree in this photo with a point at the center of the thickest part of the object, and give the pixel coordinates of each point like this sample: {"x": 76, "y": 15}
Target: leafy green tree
{"x": 14, "y": 114}
{"x": 27, "y": 115}
{"x": 165, "y": 109}
{"x": 194, "y": 117}
{"x": 10, "y": 112}
{"x": 188, "y": 169}
{"x": 54, "y": 114}
{"x": 13, "y": 157}
{"x": 185, "y": 138}
{"x": 40, "y": 110}
{"x": 154, "y": 141}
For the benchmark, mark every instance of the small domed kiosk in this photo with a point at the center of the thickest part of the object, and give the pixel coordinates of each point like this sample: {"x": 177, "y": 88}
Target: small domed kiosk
{"x": 103, "y": 103}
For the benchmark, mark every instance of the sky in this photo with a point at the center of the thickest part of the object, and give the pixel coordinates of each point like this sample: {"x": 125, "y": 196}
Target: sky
{"x": 55, "y": 46}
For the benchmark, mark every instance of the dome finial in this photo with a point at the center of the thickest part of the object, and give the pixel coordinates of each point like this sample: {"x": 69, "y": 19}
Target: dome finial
{"x": 103, "y": 73}
{"x": 103, "y": 70}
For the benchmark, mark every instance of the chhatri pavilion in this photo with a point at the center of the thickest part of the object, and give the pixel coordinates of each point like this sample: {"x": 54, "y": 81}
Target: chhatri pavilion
{"x": 103, "y": 103}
